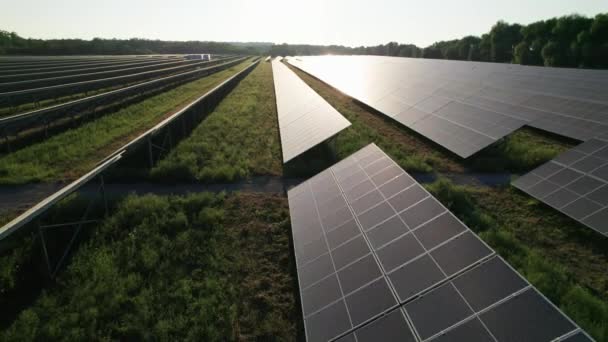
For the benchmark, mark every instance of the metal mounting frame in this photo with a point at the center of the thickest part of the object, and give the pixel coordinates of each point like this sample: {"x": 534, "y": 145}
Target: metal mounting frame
{"x": 84, "y": 219}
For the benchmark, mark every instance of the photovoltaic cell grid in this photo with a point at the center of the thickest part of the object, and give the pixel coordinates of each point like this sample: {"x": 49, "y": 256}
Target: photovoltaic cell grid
{"x": 305, "y": 118}
{"x": 379, "y": 258}
{"x": 575, "y": 183}
{"x": 466, "y": 106}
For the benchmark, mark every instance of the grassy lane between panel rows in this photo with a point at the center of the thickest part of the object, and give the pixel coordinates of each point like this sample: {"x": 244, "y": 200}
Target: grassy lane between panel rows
{"x": 564, "y": 259}
{"x": 199, "y": 267}
{"x": 535, "y": 241}
{"x": 72, "y": 153}
{"x": 519, "y": 152}
{"x": 239, "y": 139}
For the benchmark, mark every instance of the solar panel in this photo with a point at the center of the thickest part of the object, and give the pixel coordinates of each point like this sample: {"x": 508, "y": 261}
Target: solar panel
{"x": 575, "y": 183}
{"x": 578, "y": 337}
{"x": 379, "y": 258}
{"x": 305, "y": 118}
{"x": 466, "y": 106}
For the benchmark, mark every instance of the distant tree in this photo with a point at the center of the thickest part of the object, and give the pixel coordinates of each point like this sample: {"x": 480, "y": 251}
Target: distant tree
{"x": 451, "y": 52}
{"x": 503, "y": 38}
{"x": 392, "y": 49}
{"x": 570, "y": 41}
{"x": 564, "y": 36}
{"x": 536, "y": 35}
{"x": 409, "y": 50}
{"x": 552, "y": 55}
{"x": 593, "y": 43}
{"x": 280, "y": 50}
{"x": 432, "y": 52}
{"x": 485, "y": 48}
{"x": 522, "y": 54}
{"x": 467, "y": 47}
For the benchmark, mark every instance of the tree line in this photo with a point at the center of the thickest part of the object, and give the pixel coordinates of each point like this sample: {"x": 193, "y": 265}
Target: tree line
{"x": 12, "y": 44}
{"x": 568, "y": 41}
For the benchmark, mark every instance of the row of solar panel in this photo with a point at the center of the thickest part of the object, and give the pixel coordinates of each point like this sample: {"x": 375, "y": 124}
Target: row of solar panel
{"x": 466, "y": 74}
{"x": 451, "y": 104}
{"x": 379, "y": 258}
{"x": 575, "y": 183}
{"x": 465, "y": 106}
{"x": 305, "y": 118}
{"x": 30, "y": 81}
{"x": 7, "y": 69}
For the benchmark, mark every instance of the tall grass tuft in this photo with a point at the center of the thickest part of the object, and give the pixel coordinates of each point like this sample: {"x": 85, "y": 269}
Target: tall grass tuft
{"x": 239, "y": 139}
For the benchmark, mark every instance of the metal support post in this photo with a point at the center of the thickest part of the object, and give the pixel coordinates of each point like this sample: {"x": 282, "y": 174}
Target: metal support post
{"x": 150, "y": 155}
{"x": 44, "y": 250}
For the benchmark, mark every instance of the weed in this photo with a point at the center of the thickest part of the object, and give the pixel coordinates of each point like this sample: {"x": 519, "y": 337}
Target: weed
{"x": 236, "y": 141}
{"x": 175, "y": 268}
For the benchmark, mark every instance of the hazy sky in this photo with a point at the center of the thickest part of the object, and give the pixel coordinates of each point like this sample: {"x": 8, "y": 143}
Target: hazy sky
{"x": 354, "y": 22}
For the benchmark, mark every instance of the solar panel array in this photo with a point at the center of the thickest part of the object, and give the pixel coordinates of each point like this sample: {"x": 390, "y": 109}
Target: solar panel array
{"x": 466, "y": 106}
{"x": 305, "y": 118}
{"x": 378, "y": 258}
{"x": 575, "y": 183}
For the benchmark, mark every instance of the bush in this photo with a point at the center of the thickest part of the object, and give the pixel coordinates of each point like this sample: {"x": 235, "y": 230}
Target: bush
{"x": 592, "y": 312}
{"x": 458, "y": 200}
{"x": 521, "y": 151}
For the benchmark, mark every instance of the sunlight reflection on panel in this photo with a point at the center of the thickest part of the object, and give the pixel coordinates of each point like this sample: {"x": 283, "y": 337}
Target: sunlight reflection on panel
{"x": 466, "y": 106}
{"x": 305, "y": 118}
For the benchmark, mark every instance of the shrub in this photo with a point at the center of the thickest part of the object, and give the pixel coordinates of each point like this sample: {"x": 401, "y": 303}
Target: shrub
{"x": 459, "y": 200}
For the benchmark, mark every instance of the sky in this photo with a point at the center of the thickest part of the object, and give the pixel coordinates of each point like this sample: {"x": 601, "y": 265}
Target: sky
{"x": 342, "y": 22}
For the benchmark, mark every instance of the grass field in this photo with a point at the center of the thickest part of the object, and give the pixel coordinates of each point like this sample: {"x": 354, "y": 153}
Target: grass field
{"x": 520, "y": 152}
{"x": 200, "y": 267}
{"x": 72, "y": 153}
{"x": 239, "y": 139}
{"x": 202, "y": 243}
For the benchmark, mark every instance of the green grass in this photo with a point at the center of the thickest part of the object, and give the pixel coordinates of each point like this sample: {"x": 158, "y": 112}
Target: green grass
{"x": 12, "y": 261}
{"x": 74, "y": 152}
{"x": 521, "y": 151}
{"x": 200, "y": 267}
{"x": 237, "y": 140}
{"x": 515, "y": 233}
{"x": 6, "y": 216}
